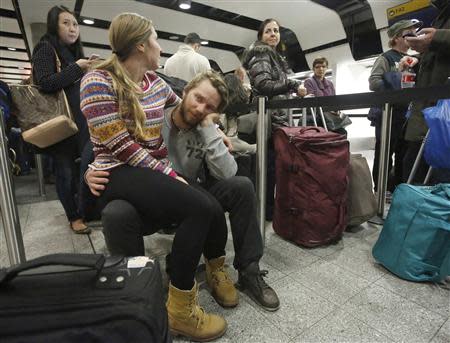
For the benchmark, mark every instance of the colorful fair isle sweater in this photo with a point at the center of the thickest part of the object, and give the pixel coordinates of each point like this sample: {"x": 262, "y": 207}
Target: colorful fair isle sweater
{"x": 114, "y": 145}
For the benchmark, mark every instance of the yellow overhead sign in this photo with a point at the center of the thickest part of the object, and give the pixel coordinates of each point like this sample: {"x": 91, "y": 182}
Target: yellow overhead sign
{"x": 407, "y": 7}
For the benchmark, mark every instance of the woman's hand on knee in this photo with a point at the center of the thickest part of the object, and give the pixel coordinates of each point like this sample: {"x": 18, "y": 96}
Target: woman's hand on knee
{"x": 96, "y": 180}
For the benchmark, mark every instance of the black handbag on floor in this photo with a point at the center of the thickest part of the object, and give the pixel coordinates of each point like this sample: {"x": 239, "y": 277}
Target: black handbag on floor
{"x": 83, "y": 298}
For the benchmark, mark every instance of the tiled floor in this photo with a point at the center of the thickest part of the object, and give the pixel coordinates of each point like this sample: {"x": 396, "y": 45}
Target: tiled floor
{"x": 328, "y": 294}
{"x": 335, "y": 293}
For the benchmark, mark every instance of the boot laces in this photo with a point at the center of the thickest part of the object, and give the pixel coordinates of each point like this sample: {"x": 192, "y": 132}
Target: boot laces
{"x": 220, "y": 275}
{"x": 260, "y": 279}
{"x": 197, "y": 311}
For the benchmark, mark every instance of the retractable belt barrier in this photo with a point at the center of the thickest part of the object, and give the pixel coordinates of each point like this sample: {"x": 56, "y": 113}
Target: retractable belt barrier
{"x": 8, "y": 207}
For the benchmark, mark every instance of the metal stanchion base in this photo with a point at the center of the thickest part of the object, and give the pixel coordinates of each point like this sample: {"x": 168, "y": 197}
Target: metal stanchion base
{"x": 376, "y": 220}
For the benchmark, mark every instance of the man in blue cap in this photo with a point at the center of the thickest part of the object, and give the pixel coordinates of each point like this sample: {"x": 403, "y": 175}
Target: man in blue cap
{"x": 385, "y": 76}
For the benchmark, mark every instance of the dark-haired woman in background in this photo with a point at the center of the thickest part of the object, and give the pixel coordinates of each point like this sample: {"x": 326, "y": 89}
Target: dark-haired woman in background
{"x": 58, "y": 63}
{"x": 268, "y": 72}
{"x": 319, "y": 85}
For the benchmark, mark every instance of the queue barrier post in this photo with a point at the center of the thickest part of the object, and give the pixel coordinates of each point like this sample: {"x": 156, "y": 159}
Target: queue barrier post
{"x": 261, "y": 165}
{"x": 383, "y": 170}
{"x": 8, "y": 206}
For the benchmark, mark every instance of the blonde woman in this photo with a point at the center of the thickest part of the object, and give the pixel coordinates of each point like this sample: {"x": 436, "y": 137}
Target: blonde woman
{"x": 124, "y": 101}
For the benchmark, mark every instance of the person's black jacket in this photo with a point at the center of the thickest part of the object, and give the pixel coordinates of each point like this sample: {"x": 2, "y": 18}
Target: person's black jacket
{"x": 268, "y": 71}
{"x": 45, "y": 75}
{"x": 268, "y": 76}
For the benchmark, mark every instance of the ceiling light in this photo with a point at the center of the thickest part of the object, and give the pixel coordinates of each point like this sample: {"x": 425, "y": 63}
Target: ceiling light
{"x": 12, "y": 49}
{"x": 88, "y": 21}
{"x": 204, "y": 42}
{"x": 184, "y": 4}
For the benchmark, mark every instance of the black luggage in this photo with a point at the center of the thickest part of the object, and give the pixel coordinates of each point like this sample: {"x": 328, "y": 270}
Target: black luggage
{"x": 83, "y": 298}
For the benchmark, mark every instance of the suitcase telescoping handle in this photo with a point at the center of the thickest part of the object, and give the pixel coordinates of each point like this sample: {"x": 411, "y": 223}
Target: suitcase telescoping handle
{"x": 309, "y": 128}
{"x": 75, "y": 260}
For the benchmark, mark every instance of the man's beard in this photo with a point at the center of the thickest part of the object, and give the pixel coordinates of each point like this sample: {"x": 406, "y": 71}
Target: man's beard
{"x": 183, "y": 114}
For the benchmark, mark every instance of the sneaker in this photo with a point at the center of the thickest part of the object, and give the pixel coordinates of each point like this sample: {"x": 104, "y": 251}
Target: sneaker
{"x": 251, "y": 280}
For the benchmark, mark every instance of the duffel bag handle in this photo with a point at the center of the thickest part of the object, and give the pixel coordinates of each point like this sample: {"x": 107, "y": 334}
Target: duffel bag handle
{"x": 445, "y": 189}
{"x": 76, "y": 260}
{"x": 310, "y": 128}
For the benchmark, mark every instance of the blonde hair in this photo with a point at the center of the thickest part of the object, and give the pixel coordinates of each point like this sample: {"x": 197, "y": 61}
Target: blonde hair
{"x": 125, "y": 32}
{"x": 216, "y": 81}
{"x": 392, "y": 42}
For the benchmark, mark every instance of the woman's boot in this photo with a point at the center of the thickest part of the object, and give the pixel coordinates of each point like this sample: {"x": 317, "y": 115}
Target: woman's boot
{"x": 188, "y": 319}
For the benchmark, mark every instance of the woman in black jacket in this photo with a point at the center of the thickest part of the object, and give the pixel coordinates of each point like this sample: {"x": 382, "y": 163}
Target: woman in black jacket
{"x": 58, "y": 63}
{"x": 268, "y": 72}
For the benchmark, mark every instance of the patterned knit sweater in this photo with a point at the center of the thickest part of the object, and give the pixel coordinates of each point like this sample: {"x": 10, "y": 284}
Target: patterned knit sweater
{"x": 114, "y": 145}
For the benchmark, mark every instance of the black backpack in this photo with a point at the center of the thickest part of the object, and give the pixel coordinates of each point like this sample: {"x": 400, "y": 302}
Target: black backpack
{"x": 175, "y": 83}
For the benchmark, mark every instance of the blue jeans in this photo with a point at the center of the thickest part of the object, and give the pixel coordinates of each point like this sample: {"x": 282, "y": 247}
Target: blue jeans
{"x": 66, "y": 182}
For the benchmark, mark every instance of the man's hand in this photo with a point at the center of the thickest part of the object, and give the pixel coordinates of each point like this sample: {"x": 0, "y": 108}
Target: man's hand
{"x": 422, "y": 42}
{"x": 210, "y": 119}
{"x": 226, "y": 140}
{"x": 96, "y": 180}
{"x": 301, "y": 90}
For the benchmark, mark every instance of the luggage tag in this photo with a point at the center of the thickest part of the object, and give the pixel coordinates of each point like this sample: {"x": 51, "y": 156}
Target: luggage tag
{"x": 138, "y": 261}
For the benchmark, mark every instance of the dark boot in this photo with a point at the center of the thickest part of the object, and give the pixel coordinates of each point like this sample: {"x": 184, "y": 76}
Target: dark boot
{"x": 251, "y": 280}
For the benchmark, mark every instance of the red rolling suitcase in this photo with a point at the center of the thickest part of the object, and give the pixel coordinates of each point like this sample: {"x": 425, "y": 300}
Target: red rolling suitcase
{"x": 311, "y": 185}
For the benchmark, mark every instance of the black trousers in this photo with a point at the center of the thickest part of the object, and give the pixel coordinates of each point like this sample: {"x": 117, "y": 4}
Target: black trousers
{"x": 397, "y": 148}
{"x": 124, "y": 226}
{"x": 158, "y": 198}
{"x": 237, "y": 196}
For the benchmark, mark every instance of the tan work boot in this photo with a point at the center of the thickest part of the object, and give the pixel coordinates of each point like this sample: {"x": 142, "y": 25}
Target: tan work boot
{"x": 222, "y": 288}
{"x": 188, "y": 319}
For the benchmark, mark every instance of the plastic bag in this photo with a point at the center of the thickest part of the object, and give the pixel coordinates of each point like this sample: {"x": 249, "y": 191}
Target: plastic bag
{"x": 336, "y": 120}
{"x": 437, "y": 146}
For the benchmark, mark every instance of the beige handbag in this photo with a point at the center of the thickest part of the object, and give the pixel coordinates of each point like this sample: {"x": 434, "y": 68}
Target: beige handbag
{"x": 45, "y": 118}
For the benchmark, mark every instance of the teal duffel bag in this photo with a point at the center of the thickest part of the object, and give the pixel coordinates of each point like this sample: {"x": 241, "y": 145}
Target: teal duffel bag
{"x": 414, "y": 243}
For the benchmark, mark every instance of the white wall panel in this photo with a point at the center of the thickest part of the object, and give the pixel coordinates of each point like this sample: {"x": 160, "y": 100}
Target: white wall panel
{"x": 313, "y": 24}
{"x": 15, "y": 71}
{"x": 14, "y": 54}
{"x": 227, "y": 60}
{"x": 15, "y": 64}
{"x": 12, "y": 42}
{"x": 7, "y": 5}
{"x": 18, "y": 76}
{"x": 171, "y": 21}
{"x": 94, "y": 35}
{"x": 9, "y": 25}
